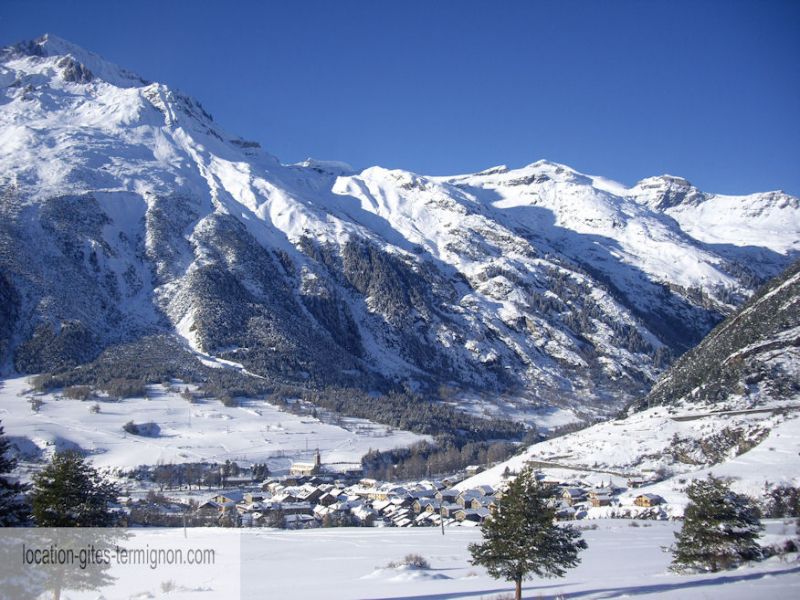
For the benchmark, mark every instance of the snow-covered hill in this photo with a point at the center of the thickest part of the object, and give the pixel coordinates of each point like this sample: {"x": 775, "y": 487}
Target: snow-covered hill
{"x": 729, "y": 406}
{"x": 126, "y": 212}
{"x": 200, "y": 431}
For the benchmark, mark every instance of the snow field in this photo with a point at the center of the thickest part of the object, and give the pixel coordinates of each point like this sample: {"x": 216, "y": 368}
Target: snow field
{"x": 256, "y": 431}
{"x": 621, "y": 561}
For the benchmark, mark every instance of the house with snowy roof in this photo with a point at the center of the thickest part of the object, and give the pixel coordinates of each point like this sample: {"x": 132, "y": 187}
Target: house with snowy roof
{"x": 648, "y": 500}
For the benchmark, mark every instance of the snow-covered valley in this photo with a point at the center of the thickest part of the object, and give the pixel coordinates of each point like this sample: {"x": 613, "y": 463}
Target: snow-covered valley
{"x": 201, "y": 431}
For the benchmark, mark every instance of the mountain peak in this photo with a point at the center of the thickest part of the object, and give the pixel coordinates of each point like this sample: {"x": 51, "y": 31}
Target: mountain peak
{"x": 666, "y": 191}
{"x": 665, "y": 180}
{"x": 53, "y": 45}
{"x": 83, "y": 65}
{"x": 547, "y": 163}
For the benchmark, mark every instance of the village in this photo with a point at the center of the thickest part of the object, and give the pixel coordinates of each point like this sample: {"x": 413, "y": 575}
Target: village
{"x": 311, "y": 496}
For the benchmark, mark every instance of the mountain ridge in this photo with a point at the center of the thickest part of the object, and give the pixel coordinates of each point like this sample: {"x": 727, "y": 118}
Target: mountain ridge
{"x": 541, "y": 283}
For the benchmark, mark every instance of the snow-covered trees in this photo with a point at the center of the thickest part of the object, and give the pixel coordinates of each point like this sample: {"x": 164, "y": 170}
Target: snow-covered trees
{"x": 14, "y": 510}
{"x": 521, "y": 538}
{"x": 719, "y": 531}
{"x": 69, "y": 492}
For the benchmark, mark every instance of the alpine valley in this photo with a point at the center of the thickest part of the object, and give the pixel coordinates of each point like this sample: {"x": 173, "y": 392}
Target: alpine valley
{"x": 139, "y": 241}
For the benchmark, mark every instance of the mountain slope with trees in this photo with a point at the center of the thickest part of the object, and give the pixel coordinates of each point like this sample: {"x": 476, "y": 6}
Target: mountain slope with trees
{"x": 128, "y": 216}
{"x": 731, "y": 404}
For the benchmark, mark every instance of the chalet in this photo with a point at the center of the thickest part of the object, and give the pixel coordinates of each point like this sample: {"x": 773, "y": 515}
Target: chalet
{"x": 382, "y": 505}
{"x": 484, "y": 502}
{"x": 421, "y": 494}
{"x": 327, "y": 499}
{"x": 320, "y": 512}
{"x": 468, "y": 514}
{"x": 419, "y": 504}
{"x": 484, "y": 490}
{"x": 307, "y": 469}
{"x": 209, "y": 508}
{"x": 473, "y": 470}
{"x": 648, "y": 500}
{"x": 309, "y": 493}
{"x": 431, "y": 506}
{"x": 229, "y": 508}
{"x": 251, "y": 497}
{"x": 428, "y": 484}
{"x": 449, "y": 496}
{"x": 300, "y": 521}
{"x": 234, "y": 496}
{"x": 602, "y": 496}
{"x": 253, "y": 519}
{"x": 248, "y": 507}
{"x": 422, "y": 519}
{"x": 272, "y": 486}
{"x": 448, "y": 509}
{"x": 451, "y": 481}
{"x": 572, "y": 495}
{"x": 600, "y": 499}
{"x": 398, "y": 512}
{"x": 635, "y": 482}
{"x": 285, "y": 496}
{"x": 365, "y": 515}
{"x": 465, "y": 498}
{"x": 404, "y": 500}
{"x": 403, "y": 522}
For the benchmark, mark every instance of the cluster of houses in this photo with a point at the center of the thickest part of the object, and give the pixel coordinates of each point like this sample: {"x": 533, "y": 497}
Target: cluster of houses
{"x": 308, "y": 497}
{"x": 317, "y": 501}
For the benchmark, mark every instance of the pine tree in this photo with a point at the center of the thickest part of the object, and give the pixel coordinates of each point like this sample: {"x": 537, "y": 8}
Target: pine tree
{"x": 69, "y": 492}
{"x": 14, "y": 510}
{"x": 521, "y": 538}
{"x": 720, "y": 528}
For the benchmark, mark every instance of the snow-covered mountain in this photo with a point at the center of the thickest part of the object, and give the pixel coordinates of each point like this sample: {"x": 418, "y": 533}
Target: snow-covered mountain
{"x": 126, "y": 212}
{"x": 730, "y": 405}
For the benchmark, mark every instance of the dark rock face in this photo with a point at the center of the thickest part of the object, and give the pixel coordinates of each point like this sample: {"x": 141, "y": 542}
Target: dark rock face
{"x": 73, "y": 71}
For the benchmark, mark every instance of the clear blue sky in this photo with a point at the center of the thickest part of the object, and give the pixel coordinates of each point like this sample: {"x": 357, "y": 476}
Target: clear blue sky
{"x": 627, "y": 89}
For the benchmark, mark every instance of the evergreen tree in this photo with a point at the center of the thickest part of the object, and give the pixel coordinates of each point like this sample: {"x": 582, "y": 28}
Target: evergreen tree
{"x": 69, "y": 492}
{"x": 720, "y": 528}
{"x": 521, "y": 537}
{"x": 14, "y": 510}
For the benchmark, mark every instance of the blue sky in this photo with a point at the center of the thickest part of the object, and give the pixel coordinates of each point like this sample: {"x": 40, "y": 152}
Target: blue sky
{"x": 626, "y": 89}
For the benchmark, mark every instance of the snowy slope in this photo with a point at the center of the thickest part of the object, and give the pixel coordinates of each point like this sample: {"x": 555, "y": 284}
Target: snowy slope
{"x": 730, "y": 406}
{"x": 203, "y": 431}
{"x": 670, "y": 446}
{"x": 127, "y": 211}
